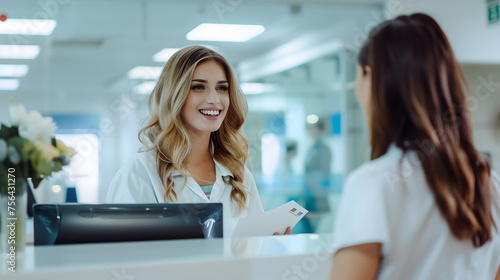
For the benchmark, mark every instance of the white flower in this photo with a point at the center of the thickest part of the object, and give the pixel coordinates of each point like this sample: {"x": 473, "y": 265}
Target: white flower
{"x": 35, "y": 127}
{"x": 3, "y": 149}
{"x": 17, "y": 114}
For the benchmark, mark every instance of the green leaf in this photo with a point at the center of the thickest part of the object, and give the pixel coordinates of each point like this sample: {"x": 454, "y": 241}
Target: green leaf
{"x": 7, "y": 132}
{"x": 19, "y": 144}
{"x": 43, "y": 167}
{"x": 34, "y": 157}
{"x": 36, "y": 181}
{"x": 57, "y": 165}
{"x": 3, "y": 178}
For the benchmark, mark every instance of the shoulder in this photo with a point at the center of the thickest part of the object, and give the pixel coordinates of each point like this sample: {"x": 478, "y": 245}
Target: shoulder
{"x": 248, "y": 173}
{"x": 145, "y": 157}
{"x": 224, "y": 171}
{"x": 495, "y": 180}
{"x": 248, "y": 180}
{"x": 495, "y": 194}
{"x": 254, "y": 203}
{"x": 380, "y": 173}
{"x": 140, "y": 167}
{"x": 363, "y": 215}
{"x": 141, "y": 161}
{"x": 135, "y": 180}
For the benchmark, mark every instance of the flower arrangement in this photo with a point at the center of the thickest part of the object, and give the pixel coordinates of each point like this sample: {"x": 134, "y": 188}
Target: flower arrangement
{"x": 28, "y": 148}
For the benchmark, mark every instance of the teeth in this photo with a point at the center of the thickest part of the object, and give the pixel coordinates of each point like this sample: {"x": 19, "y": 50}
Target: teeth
{"x": 210, "y": 112}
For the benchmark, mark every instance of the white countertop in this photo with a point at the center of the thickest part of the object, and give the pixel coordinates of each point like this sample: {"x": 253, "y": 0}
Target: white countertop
{"x": 294, "y": 257}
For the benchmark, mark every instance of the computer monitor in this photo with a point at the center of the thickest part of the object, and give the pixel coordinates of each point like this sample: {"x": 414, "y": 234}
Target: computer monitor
{"x": 90, "y": 223}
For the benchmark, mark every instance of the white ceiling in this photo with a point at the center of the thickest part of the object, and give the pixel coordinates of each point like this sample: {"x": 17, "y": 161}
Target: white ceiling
{"x": 96, "y": 42}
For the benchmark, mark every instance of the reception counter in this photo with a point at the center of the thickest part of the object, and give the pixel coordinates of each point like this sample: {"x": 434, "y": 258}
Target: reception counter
{"x": 294, "y": 257}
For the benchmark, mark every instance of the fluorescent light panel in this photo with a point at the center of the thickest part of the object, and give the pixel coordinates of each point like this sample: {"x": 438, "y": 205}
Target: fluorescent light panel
{"x": 28, "y": 26}
{"x": 19, "y": 51}
{"x": 144, "y": 88}
{"x": 9, "y": 84}
{"x": 13, "y": 70}
{"x": 224, "y": 32}
{"x": 312, "y": 119}
{"x": 164, "y": 55}
{"x": 256, "y": 88}
{"x": 145, "y": 72}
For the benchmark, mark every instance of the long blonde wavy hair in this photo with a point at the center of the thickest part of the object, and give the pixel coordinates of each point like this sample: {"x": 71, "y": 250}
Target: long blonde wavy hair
{"x": 167, "y": 131}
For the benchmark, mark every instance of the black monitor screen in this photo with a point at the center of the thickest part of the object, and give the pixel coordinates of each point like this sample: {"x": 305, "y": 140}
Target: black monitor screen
{"x": 90, "y": 223}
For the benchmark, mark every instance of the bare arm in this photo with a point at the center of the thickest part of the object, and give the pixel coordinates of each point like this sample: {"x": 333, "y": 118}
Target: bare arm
{"x": 498, "y": 274}
{"x": 357, "y": 262}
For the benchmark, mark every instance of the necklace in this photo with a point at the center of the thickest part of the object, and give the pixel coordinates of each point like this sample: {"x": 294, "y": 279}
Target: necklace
{"x": 212, "y": 180}
{"x": 202, "y": 170}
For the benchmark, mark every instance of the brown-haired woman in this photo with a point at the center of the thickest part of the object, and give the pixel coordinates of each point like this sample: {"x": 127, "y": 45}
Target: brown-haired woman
{"x": 427, "y": 205}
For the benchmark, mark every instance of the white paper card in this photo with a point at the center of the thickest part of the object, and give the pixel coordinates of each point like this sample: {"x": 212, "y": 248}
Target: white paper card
{"x": 274, "y": 220}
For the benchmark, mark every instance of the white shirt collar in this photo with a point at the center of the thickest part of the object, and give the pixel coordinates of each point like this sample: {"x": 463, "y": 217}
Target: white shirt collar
{"x": 393, "y": 149}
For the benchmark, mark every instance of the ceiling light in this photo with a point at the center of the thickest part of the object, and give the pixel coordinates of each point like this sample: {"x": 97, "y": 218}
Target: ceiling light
{"x": 144, "y": 88}
{"x": 9, "y": 84}
{"x": 164, "y": 55}
{"x": 28, "y": 26}
{"x": 13, "y": 70}
{"x": 224, "y": 32}
{"x": 19, "y": 51}
{"x": 145, "y": 72}
{"x": 256, "y": 88}
{"x": 312, "y": 119}
{"x": 56, "y": 188}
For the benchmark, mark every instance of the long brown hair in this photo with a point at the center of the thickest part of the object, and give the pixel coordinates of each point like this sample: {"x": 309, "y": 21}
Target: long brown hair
{"x": 166, "y": 129}
{"x": 418, "y": 102}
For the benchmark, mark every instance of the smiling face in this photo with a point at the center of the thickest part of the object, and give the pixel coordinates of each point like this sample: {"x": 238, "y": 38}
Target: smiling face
{"x": 208, "y": 98}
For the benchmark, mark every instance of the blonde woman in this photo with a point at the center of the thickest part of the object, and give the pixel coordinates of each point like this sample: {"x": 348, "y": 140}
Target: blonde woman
{"x": 194, "y": 149}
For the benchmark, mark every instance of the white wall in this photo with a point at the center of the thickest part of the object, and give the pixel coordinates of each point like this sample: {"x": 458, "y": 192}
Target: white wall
{"x": 484, "y": 102}
{"x": 465, "y": 23}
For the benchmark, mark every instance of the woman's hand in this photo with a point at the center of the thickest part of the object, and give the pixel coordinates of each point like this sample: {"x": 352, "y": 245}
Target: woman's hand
{"x": 287, "y": 231}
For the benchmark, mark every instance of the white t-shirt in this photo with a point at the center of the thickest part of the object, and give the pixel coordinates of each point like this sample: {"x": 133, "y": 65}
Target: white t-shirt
{"x": 385, "y": 202}
{"x": 138, "y": 181}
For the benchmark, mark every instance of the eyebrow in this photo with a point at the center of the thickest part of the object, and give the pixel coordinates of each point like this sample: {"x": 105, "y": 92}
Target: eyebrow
{"x": 205, "y": 81}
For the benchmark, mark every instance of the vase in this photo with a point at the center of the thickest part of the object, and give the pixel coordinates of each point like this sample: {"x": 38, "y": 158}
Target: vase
{"x": 13, "y": 218}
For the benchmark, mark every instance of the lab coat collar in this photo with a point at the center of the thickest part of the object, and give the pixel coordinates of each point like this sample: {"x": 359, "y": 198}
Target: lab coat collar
{"x": 220, "y": 171}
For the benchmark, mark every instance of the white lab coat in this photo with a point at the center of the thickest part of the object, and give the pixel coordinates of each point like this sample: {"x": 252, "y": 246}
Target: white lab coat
{"x": 138, "y": 181}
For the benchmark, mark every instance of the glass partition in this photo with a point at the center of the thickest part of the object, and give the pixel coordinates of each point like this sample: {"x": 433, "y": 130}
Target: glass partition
{"x": 304, "y": 129}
